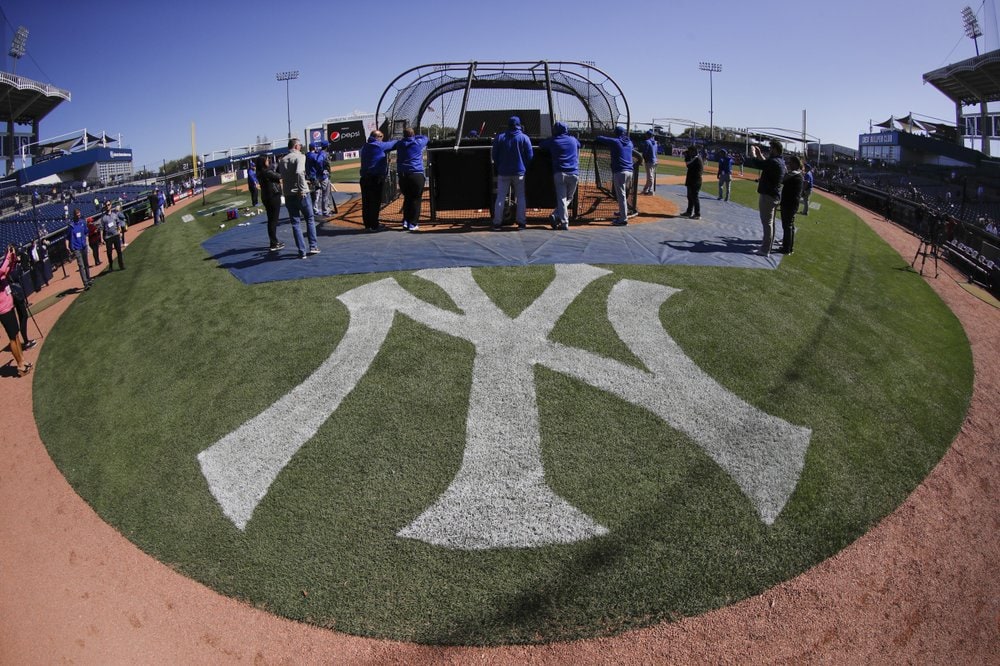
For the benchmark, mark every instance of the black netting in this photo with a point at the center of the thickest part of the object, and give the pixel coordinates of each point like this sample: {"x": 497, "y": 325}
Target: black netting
{"x": 431, "y": 98}
{"x": 461, "y": 185}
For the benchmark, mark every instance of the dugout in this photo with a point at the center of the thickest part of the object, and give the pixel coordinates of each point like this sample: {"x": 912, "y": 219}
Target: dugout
{"x": 447, "y": 101}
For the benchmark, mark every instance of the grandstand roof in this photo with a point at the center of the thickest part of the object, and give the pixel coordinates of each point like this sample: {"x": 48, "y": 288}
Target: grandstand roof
{"x": 25, "y": 101}
{"x": 970, "y": 81}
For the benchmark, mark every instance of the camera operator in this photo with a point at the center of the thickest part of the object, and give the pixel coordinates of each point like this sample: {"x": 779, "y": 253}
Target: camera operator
{"x": 8, "y": 317}
{"x": 20, "y": 300}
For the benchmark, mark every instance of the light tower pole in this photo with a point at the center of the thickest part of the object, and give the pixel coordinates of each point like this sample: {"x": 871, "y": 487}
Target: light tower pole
{"x": 17, "y": 50}
{"x": 711, "y": 68}
{"x": 974, "y": 32}
{"x": 286, "y": 77}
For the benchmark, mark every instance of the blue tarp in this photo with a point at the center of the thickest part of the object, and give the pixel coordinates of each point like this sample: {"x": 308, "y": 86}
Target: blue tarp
{"x": 727, "y": 235}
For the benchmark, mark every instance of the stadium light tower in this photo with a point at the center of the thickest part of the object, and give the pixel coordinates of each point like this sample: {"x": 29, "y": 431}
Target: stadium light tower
{"x": 974, "y": 32}
{"x": 18, "y": 47}
{"x": 972, "y": 29}
{"x": 286, "y": 77}
{"x": 711, "y": 68}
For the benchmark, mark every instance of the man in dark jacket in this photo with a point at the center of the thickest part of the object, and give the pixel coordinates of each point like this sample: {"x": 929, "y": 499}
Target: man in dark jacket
{"x": 769, "y": 194}
{"x": 791, "y": 190}
{"x": 692, "y": 181}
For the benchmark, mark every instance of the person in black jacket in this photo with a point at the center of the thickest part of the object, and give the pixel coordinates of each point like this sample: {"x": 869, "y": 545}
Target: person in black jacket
{"x": 695, "y": 168}
{"x": 791, "y": 191}
{"x": 270, "y": 196}
{"x": 769, "y": 194}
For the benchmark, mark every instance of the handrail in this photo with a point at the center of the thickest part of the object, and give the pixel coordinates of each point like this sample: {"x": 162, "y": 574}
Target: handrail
{"x": 22, "y": 83}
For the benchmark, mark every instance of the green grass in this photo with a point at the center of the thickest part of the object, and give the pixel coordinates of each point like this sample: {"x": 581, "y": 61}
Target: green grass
{"x": 157, "y": 363}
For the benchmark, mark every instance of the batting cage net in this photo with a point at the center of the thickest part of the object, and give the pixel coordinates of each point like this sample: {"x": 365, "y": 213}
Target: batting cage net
{"x": 461, "y": 107}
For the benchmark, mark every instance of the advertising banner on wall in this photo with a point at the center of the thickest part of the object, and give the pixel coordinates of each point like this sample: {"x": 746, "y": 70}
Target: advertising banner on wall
{"x": 346, "y": 136}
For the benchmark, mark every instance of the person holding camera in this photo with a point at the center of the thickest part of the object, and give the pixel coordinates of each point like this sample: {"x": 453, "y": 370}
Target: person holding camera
{"x": 270, "y": 196}
{"x": 8, "y": 317}
{"x": 20, "y": 300}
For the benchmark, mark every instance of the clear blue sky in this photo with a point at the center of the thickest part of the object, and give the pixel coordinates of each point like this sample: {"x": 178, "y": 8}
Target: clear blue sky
{"x": 147, "y": 70}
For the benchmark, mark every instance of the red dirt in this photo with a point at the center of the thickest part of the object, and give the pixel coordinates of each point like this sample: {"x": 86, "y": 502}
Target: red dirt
{"x": 920, "y": 587}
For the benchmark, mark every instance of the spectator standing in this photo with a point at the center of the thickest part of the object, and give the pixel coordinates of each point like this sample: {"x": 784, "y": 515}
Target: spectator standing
{"x": 111, "y": 224}
{"x": 725, "y": 175}
{"x": 807, "y": 188}
{"x": 565, "y": 151}
{"x": 621, "y": 169}
{"x": 252, "y": 184}
{"x": 769, "y": 194}
{"x": 692, "y": 181}
{"x": 324, "y": 194}
{"x": 297, "y": 201}
{"x": 270, "y": 194}
{"x": 374, "y": 167}
{"x": 648, "y": 150}
{"x": 161, "y": 204}
{"x": 312, "y": 175}
{"x": 791, "y": 191}
{"x": 76, "y": 232}
{"x": 153, "y": 200}
{"x": 511, "y": 152}
{"x": 410, "y": 166}
{"x": 95, "y": 239}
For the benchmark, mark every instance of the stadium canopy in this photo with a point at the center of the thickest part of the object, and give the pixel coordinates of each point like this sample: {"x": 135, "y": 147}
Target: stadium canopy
{"x": 68, "y": 145}
{"x": 971, "y": 81}
{"x": 25, "y": 101}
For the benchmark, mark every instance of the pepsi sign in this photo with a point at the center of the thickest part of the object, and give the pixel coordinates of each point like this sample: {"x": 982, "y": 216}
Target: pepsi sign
{"x": 346, "y": 136}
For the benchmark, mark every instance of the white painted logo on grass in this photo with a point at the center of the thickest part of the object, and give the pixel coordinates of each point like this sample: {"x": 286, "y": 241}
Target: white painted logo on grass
{"x": 499, "y": 497}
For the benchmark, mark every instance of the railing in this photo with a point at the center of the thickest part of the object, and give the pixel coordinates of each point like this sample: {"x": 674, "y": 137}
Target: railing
{"x": 22, "y": 83}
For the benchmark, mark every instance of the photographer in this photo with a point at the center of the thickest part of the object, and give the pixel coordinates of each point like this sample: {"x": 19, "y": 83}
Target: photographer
{"x": 20, "y": 300}
{"x": 8, "y": 317}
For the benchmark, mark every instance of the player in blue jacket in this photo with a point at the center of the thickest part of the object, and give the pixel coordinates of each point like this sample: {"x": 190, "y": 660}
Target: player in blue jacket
{"x": 374, "y": 166}
{"x": 410, "y": 166}
{"x": 512, "y": 152}
{"x": 648, "y": 150}
{"x": 565, "y": 151}
{"x": 621, "y": 169}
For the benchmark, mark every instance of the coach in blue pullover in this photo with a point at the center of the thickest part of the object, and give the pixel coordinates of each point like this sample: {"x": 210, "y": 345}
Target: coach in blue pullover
{"x": 621, "y": 169}
{"x": 512, "y": 152}
{"x": 76, "y": 232}
{"x": 374, "y": 166}
{"x": 410, "y": 166}
{"x": 565, "y": 151}
{"x": 648, "y": 150}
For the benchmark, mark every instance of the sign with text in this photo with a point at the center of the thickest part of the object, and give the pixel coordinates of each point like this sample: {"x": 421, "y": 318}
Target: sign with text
{"x": 347, "y": 135}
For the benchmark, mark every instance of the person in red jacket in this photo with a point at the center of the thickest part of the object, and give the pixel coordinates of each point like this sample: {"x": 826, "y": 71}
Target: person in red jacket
{"x": 95, "y": 239}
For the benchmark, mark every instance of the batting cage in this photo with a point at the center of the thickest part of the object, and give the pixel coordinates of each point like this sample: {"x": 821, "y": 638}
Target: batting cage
{"x": 461, "y": 107}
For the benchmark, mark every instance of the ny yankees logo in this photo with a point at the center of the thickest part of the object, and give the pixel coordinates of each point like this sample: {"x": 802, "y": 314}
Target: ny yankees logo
{"x": 499, "y": 497}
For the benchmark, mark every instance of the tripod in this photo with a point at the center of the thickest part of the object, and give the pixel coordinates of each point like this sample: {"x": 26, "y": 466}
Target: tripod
{"x": 928, "y": 248}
